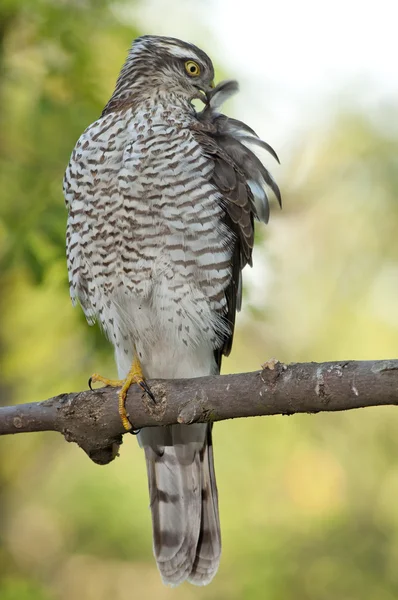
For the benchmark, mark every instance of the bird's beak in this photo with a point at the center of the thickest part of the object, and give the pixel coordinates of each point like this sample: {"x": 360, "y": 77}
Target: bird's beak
{"x": 209, "y": 91}
{"x": 205, "y": 92}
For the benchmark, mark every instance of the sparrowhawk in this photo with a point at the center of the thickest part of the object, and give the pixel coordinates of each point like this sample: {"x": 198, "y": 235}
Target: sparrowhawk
{"x": 162, "y": 201}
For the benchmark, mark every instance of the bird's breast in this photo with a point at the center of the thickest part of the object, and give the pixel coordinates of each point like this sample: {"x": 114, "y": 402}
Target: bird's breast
{"x": 170, "y": 203}
{"x": 148, "y": 245}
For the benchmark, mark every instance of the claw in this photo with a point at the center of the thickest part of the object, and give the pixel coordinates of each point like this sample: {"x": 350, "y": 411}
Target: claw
{"x": 147, "y": 390}
{"x": 90, "y": 381}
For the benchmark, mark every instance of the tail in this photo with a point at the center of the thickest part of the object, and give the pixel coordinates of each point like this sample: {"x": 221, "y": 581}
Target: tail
{"x": 183, "y": 501}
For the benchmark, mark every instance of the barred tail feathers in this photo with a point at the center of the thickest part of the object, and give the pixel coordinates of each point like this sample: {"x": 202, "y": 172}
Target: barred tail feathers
{"x": 183, "y": 501}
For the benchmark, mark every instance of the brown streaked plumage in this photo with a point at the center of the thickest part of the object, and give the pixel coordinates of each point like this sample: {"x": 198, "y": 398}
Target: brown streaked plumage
{"x": 162, "y": 202}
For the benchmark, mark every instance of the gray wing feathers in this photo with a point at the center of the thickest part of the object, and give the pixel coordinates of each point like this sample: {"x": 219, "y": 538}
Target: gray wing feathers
{"x": 242, "y": 181}
{"x": 183, "y": 501}
{"x": 234, "y": 138}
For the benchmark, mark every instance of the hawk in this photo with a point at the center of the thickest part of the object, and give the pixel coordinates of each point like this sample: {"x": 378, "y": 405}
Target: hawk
{"x": 162, "y": 201}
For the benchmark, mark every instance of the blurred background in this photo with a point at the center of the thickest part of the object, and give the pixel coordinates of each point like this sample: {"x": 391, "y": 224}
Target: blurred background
{"x": 308, "y": 503}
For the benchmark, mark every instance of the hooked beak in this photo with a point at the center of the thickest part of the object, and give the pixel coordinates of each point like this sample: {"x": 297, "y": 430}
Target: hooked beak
{"x": 205, "y": 92}
{"x": 209, "y": 91}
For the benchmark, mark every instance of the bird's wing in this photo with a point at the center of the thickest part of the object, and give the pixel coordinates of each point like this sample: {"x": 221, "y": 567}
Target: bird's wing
{"x": 75, "y": 193}
{"x": 89, "y": 183}
{"x": 241, "y": 180}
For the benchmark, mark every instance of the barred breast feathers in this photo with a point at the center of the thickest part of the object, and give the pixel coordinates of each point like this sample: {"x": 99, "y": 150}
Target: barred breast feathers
{"x": 145, "y": 219}
{"x": 208, "y": 176}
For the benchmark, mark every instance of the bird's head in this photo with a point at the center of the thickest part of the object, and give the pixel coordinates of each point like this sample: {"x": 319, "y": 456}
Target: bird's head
{"x": 166, "y": 65}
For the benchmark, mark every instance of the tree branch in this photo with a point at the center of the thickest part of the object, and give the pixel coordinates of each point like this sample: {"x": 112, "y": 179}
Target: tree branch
{"x": 91, "y": 419}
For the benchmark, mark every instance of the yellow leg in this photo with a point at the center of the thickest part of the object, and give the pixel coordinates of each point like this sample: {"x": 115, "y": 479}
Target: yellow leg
{"x": 135, "y": 375}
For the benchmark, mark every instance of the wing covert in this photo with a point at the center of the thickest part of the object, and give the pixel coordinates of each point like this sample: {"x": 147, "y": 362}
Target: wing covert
{"x": 242, "y": 180}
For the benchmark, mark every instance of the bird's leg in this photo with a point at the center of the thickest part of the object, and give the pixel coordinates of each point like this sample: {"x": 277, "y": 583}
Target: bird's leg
{"x": 135, "y": 375}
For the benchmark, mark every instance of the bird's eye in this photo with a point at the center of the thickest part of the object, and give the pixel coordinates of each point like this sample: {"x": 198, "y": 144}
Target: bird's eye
{"x": 192, "y": 68}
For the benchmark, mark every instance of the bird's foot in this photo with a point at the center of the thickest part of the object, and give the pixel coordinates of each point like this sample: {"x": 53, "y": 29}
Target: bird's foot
{"x": 135, "y": 375}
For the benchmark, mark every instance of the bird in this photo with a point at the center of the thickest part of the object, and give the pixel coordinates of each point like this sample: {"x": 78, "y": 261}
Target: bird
{"x": 162, "y": 198}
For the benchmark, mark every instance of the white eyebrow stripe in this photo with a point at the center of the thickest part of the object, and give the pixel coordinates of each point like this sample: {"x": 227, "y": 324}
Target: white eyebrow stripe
{"x": 180, "y": 52}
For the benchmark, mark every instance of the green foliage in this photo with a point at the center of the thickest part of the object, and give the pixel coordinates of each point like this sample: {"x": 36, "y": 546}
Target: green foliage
{"x": 18, "y": 589}
{"x": 58, "y": 61}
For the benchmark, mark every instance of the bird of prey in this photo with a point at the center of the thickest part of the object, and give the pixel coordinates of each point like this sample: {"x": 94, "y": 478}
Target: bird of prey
{"x": 162, "y": 201}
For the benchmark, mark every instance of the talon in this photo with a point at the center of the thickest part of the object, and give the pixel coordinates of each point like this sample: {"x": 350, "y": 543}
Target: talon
{"x": 90, "y": 381}
{"x": 135, "y": 431}
{"x": 143, "y": 384}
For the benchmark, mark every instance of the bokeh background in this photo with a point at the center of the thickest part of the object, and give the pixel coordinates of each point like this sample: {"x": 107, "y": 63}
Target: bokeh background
{"x": 308, "y": 504}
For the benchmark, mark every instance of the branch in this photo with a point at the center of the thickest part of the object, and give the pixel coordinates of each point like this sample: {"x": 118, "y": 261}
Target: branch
{"x": 91, "y": 419}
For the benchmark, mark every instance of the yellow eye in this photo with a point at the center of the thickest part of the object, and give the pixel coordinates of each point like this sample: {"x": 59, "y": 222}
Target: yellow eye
{"x": 192, "y": 68}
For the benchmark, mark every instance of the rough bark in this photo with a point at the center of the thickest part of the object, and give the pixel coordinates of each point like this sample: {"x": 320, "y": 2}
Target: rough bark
{"x": 91, "y": 419}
